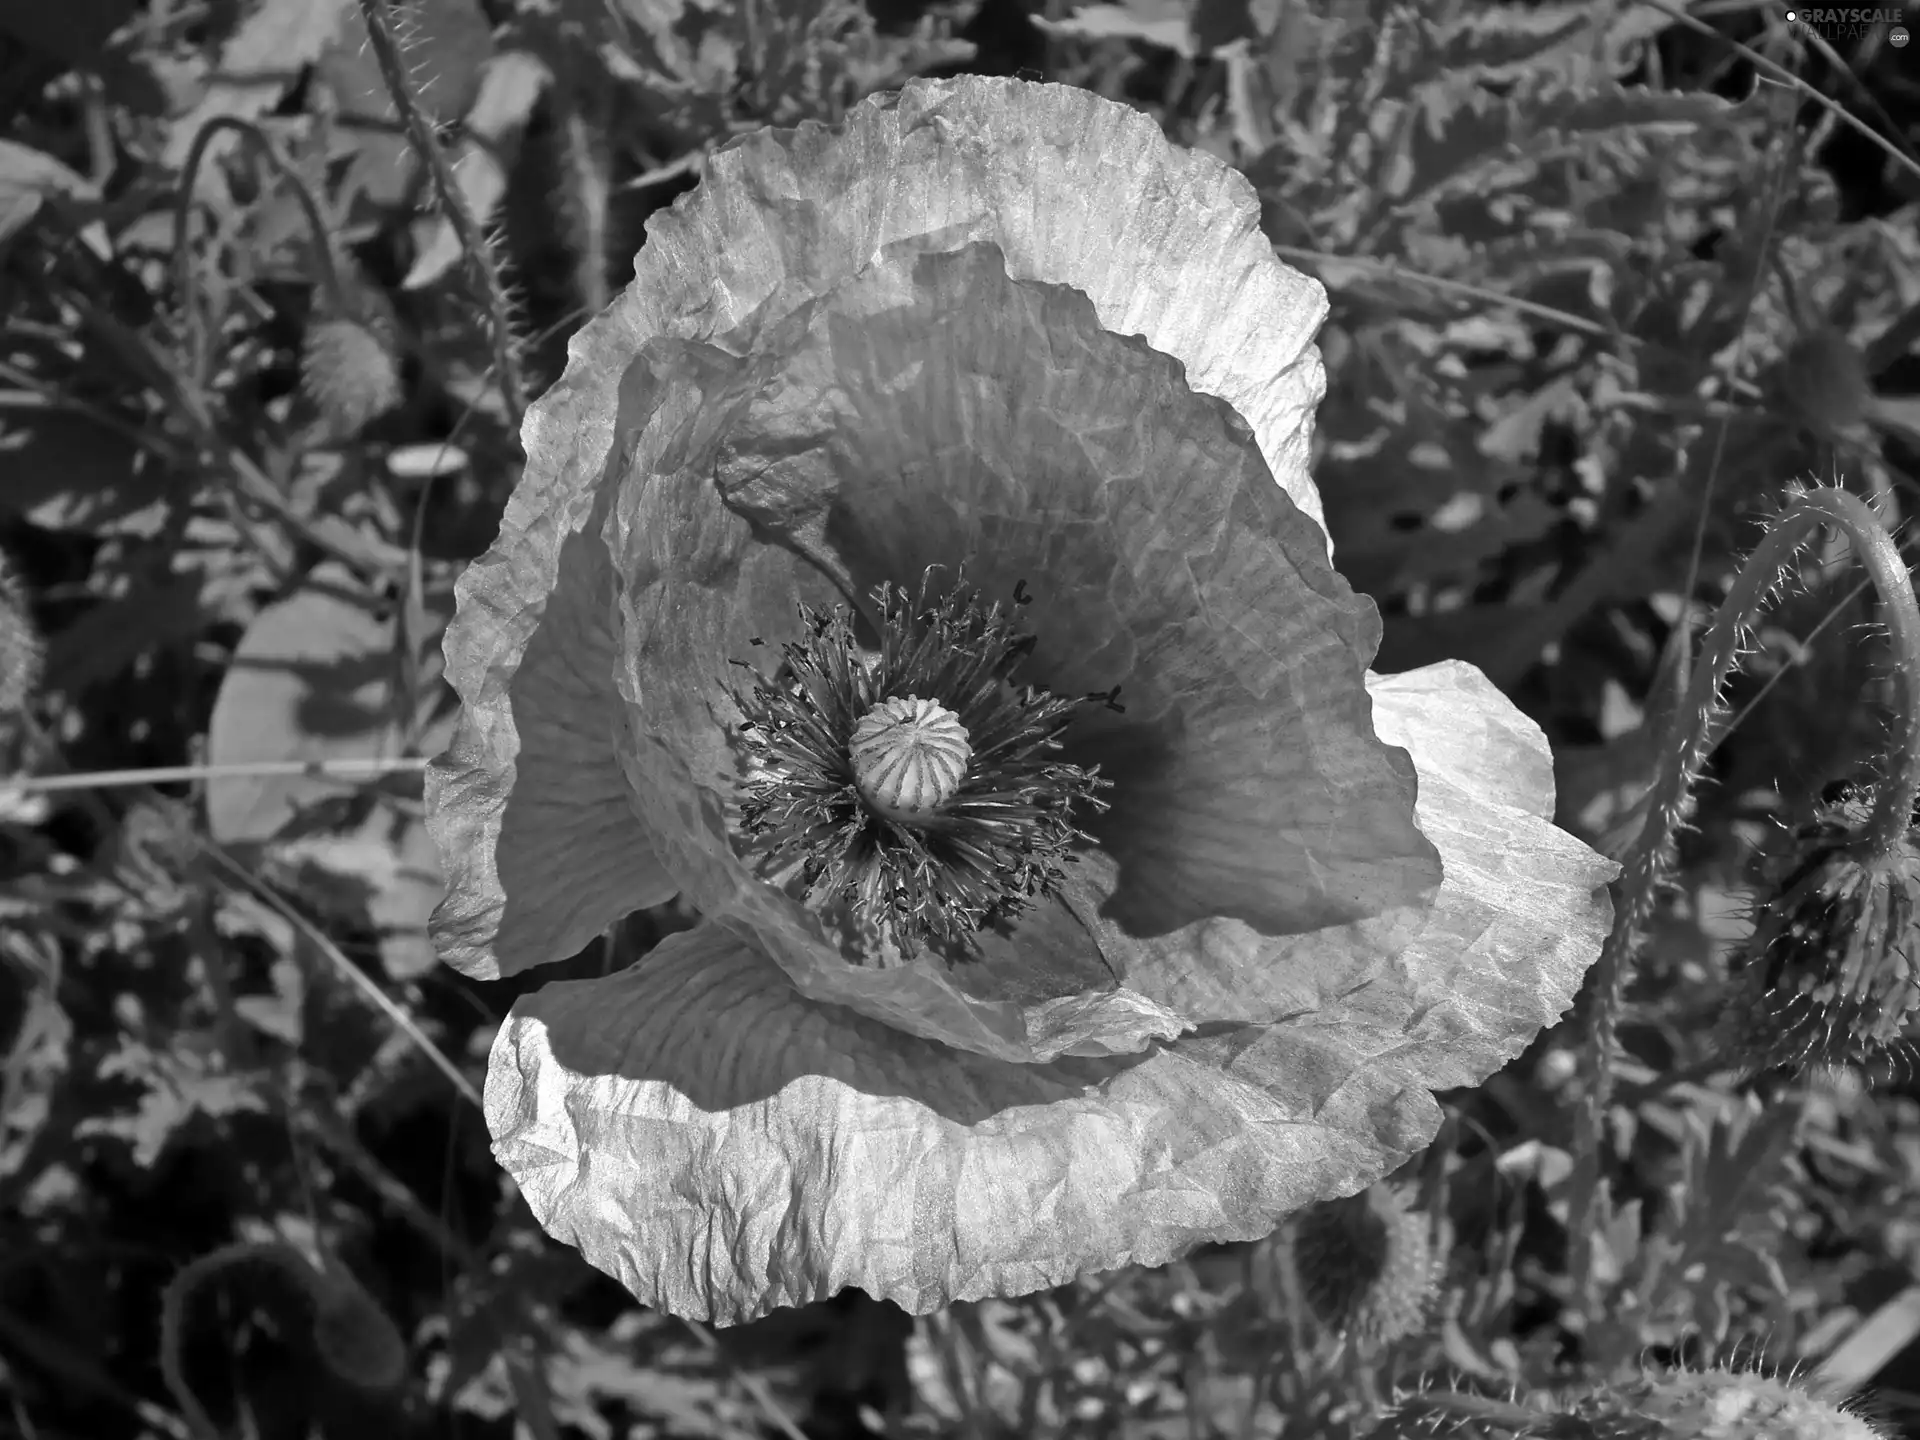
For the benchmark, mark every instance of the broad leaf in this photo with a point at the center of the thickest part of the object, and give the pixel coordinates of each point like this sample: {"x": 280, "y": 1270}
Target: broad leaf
{"x": 314, "y": 679}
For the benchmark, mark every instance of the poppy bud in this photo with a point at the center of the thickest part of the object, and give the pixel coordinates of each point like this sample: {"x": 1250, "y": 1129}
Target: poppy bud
{"x": 349, "y": 373}
{"x": 1366, "y": 1264}
{"x": 1714, "y": 1405}
{"x": 1829, "y": 975}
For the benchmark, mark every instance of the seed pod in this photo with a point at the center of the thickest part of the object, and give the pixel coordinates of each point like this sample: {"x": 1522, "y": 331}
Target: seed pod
{"x": 1714, "y": 1405}
{"x": 909, "y": 756}
{"x": 1829, "y": 976}
{"x": 812, "y": 733}
{"x": 349, "y": 373}
{"x": 1366, "y": 1264}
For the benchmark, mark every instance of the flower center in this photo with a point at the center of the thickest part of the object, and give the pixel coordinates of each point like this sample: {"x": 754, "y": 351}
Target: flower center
{"x": 911, "y": 791}
{"x": 909, "y": 757}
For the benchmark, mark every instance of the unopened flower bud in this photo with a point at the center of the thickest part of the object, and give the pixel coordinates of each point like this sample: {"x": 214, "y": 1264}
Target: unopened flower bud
{"x": 349, "y": 373}
{"x": 1366, "y": 1264}
{"x": 1830, "y": 974}
{"x": 1714, "y": 1405}
{"x": 354, "y": 1336}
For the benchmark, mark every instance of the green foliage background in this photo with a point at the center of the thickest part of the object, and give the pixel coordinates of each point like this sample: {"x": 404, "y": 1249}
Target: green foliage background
{"x": 1605, "y": 279}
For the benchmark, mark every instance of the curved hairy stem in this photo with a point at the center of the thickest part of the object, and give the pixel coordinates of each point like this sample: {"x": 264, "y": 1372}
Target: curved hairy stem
{"x": 1695, "y": 731}
{"x": 475, "y": 246}
{"x": 196, "y": 356}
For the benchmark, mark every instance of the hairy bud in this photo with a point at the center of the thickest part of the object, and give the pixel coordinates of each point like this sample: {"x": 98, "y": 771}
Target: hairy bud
{"x": 1714, "y": 1405}
{"x": 1366, "y": 1264}
{"x": 349, "y": 373}
{"x": 1829, "y": 976}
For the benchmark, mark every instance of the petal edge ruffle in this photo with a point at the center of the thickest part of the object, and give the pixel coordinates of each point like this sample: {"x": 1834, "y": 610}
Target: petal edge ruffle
{"x": 537, "y": 831}
{"x": 1075, "y": 189}
{"x": 723, "y": 1147}
{"x": 1519, "y": 915}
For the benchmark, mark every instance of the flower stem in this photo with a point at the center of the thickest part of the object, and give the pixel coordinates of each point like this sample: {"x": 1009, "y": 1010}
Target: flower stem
{"x": 479, "y": 253}
{"x": 1695, "y": 732}
{"x": 196, "y": 344}
{"x": 1900, "y": 787}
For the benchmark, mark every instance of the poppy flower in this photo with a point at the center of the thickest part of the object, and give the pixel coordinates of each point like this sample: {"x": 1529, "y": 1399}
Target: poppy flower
{"x": 917, "y": 570}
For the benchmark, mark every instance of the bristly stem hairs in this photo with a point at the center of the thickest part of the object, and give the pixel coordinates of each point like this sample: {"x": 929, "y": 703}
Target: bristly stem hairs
{"x": 1695, "y": 730}
{"x": 479, "y": 253}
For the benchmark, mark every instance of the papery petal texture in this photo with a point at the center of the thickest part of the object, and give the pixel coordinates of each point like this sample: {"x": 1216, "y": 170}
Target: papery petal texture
{"x": 538, "y": 834}
{"x": 723, "y": 1145}
{"x": 932, "y": 410}
{"x": 542, "y": 837}
{"x": 1007, "y": 326}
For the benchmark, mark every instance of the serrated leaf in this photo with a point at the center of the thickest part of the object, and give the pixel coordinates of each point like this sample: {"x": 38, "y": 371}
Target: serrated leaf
{"x": 1713, "y": 1248}
{"x": 1558, "y": 40}
{"x": 1466, "y": 133}
{"x": 1160, "y": 23}
{"x": 175, "y": 1086}
{"x": 1504, "y": 40}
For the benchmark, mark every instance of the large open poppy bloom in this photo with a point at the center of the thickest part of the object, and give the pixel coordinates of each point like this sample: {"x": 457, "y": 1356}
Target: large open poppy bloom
{"x": 917, "y": 569}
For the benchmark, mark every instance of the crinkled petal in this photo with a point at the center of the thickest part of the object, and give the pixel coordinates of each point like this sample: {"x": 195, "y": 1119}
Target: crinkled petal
{"x": 717, "y": 589}
{"x": 938, "y": 412}
{"x": 1075, "y": 190}
{"x": 1518, "y": 919}
{"x": 723, "y": 1145}
{"x": 1525, "y": 906}
{"x": 537, "y": 830}
{"x": 932, "y": 411}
